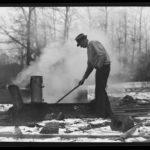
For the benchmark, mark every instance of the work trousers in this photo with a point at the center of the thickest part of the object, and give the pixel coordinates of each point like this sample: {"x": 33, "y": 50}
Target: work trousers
{"x": 102, "y": 105}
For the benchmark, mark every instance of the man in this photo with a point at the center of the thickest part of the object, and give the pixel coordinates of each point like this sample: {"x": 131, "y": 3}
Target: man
{"x": 98, "y": 59}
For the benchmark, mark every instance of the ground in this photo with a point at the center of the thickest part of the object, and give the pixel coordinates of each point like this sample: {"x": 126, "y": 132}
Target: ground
{"x": 96, "y": 129}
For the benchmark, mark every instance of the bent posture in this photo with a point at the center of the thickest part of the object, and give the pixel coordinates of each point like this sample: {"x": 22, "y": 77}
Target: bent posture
{"x": 97, "y": 58}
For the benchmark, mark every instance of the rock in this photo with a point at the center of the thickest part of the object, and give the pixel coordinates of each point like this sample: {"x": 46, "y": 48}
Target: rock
{"x": 127, "y": 100}
{"x": 49, "y": 116}
{"x": 30, "y": 124}
{"x": 121, "y": 123}
{"x": 38, "y": 125}
{"x": 50, "y": 128}
{"x": 29, "y": 131}
{"x": 147, "y": 123}
{"x": 68, "y": 131}
{"x": 88, "y": 127}
{"x": 62, "y": 124}
{"x": 99, "y": 125}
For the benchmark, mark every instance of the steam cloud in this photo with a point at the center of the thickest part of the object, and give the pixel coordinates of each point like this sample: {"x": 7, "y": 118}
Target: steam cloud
{"x": 62, "y": 66}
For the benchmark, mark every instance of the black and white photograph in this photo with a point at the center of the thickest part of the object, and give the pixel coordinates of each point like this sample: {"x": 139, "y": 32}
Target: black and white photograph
{"x": 75, "y": 74}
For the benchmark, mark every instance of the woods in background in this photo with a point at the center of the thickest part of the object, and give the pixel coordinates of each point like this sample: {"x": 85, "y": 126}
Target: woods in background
{"x": 29, "y": 29}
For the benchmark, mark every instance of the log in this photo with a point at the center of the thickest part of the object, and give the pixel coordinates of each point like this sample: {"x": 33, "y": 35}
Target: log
{"x": 65, "y": 136}
{"x": 132, "y": 109}
{"x": 133, "y": 114}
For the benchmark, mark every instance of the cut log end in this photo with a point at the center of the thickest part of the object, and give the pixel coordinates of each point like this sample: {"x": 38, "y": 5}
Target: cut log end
{"x": 121, "y": 123}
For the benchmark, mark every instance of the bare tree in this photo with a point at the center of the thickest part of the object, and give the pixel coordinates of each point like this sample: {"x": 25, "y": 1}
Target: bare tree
{"x": 106, "y": 19}
{"x": 119, "y": 38}
{"x": 133, "y": 39}
{"x": 125, "y": 31}
{"x": 66, "y": 23}
{"x": 20, "y": 32}
{"x": 112, "y": 31}
{"x": 30, "y": 11}
{"x": 89, "y": 17}
{"x": 54, "y": 23}
{"x": 146, "y": 34}
{"x": 103, "y": 18}
{"x": 65, "y": 20}
{"x": 140, "y": 28}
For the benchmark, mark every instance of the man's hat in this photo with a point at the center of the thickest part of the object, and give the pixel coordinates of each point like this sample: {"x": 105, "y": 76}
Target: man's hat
{"x": 80, "y": 37}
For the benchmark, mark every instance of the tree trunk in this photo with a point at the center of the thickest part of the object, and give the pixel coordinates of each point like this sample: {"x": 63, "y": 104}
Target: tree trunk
{"x": 54, "y": 25}
{"x": 112, "y": 32}
{"x": 106, "y": 19}
{"x": 140, "y": 29}
{"x": 132, "y": 61}
{"x": 89, "y": 17}
{"x": 125, "y": 33}
{"x": 66, "y": 24}
{"x": 134, "y": 41}
{"x": 28, "y": 37}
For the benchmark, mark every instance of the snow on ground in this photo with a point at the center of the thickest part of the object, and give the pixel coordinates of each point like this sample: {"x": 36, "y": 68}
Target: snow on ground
{"x": 73, "y": 126}
{"x": 81, "y": 126}
{"x": 135, "y": 95}
{"x": 5, "y": 107}
{"x": 77, "y": 127}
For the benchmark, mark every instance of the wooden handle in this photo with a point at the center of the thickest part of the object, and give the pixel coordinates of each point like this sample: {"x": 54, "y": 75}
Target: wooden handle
{"x": 68, "y": 93}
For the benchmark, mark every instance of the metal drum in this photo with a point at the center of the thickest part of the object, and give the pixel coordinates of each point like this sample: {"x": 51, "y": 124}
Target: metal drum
{"x": 36, "y": 89}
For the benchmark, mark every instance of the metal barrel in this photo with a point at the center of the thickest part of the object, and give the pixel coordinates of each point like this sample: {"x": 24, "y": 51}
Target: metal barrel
{"x": 16, "y": 97}
{"x": 36, "y": 89}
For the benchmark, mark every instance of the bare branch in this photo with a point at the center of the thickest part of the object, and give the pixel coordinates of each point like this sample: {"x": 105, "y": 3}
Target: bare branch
{"x": 25, "y": 16}
{"x": 13, "y": 38}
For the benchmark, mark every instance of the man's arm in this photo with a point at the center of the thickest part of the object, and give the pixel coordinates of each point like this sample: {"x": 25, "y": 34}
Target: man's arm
{"x": 89, "y": 69}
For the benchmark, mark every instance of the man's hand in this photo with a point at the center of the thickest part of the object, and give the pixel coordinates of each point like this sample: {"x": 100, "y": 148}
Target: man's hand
{"x": 81, "y": 81}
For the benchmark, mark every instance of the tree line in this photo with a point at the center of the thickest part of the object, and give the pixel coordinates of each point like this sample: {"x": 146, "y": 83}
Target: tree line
{"x": 32, "y": 28}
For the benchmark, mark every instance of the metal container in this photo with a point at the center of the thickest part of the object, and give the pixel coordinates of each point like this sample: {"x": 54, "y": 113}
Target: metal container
{"x": 36, "y": 89}
{"x": 16, "y": 97}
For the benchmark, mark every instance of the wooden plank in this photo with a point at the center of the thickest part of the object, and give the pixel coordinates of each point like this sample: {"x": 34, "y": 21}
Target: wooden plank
{"x": 40, "y": 136}
{"x": 139, "y": 109}
{"x": 65, "y": 136}
{"x": 131, "y": 108}
{"x": 132, "y": 113}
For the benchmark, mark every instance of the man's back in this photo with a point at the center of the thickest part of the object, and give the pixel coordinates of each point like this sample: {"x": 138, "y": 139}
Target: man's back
{"x": 97, "y": 55}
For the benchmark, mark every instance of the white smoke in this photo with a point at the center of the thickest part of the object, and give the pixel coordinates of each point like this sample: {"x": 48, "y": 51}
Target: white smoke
{"x": 62, "y": 66}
